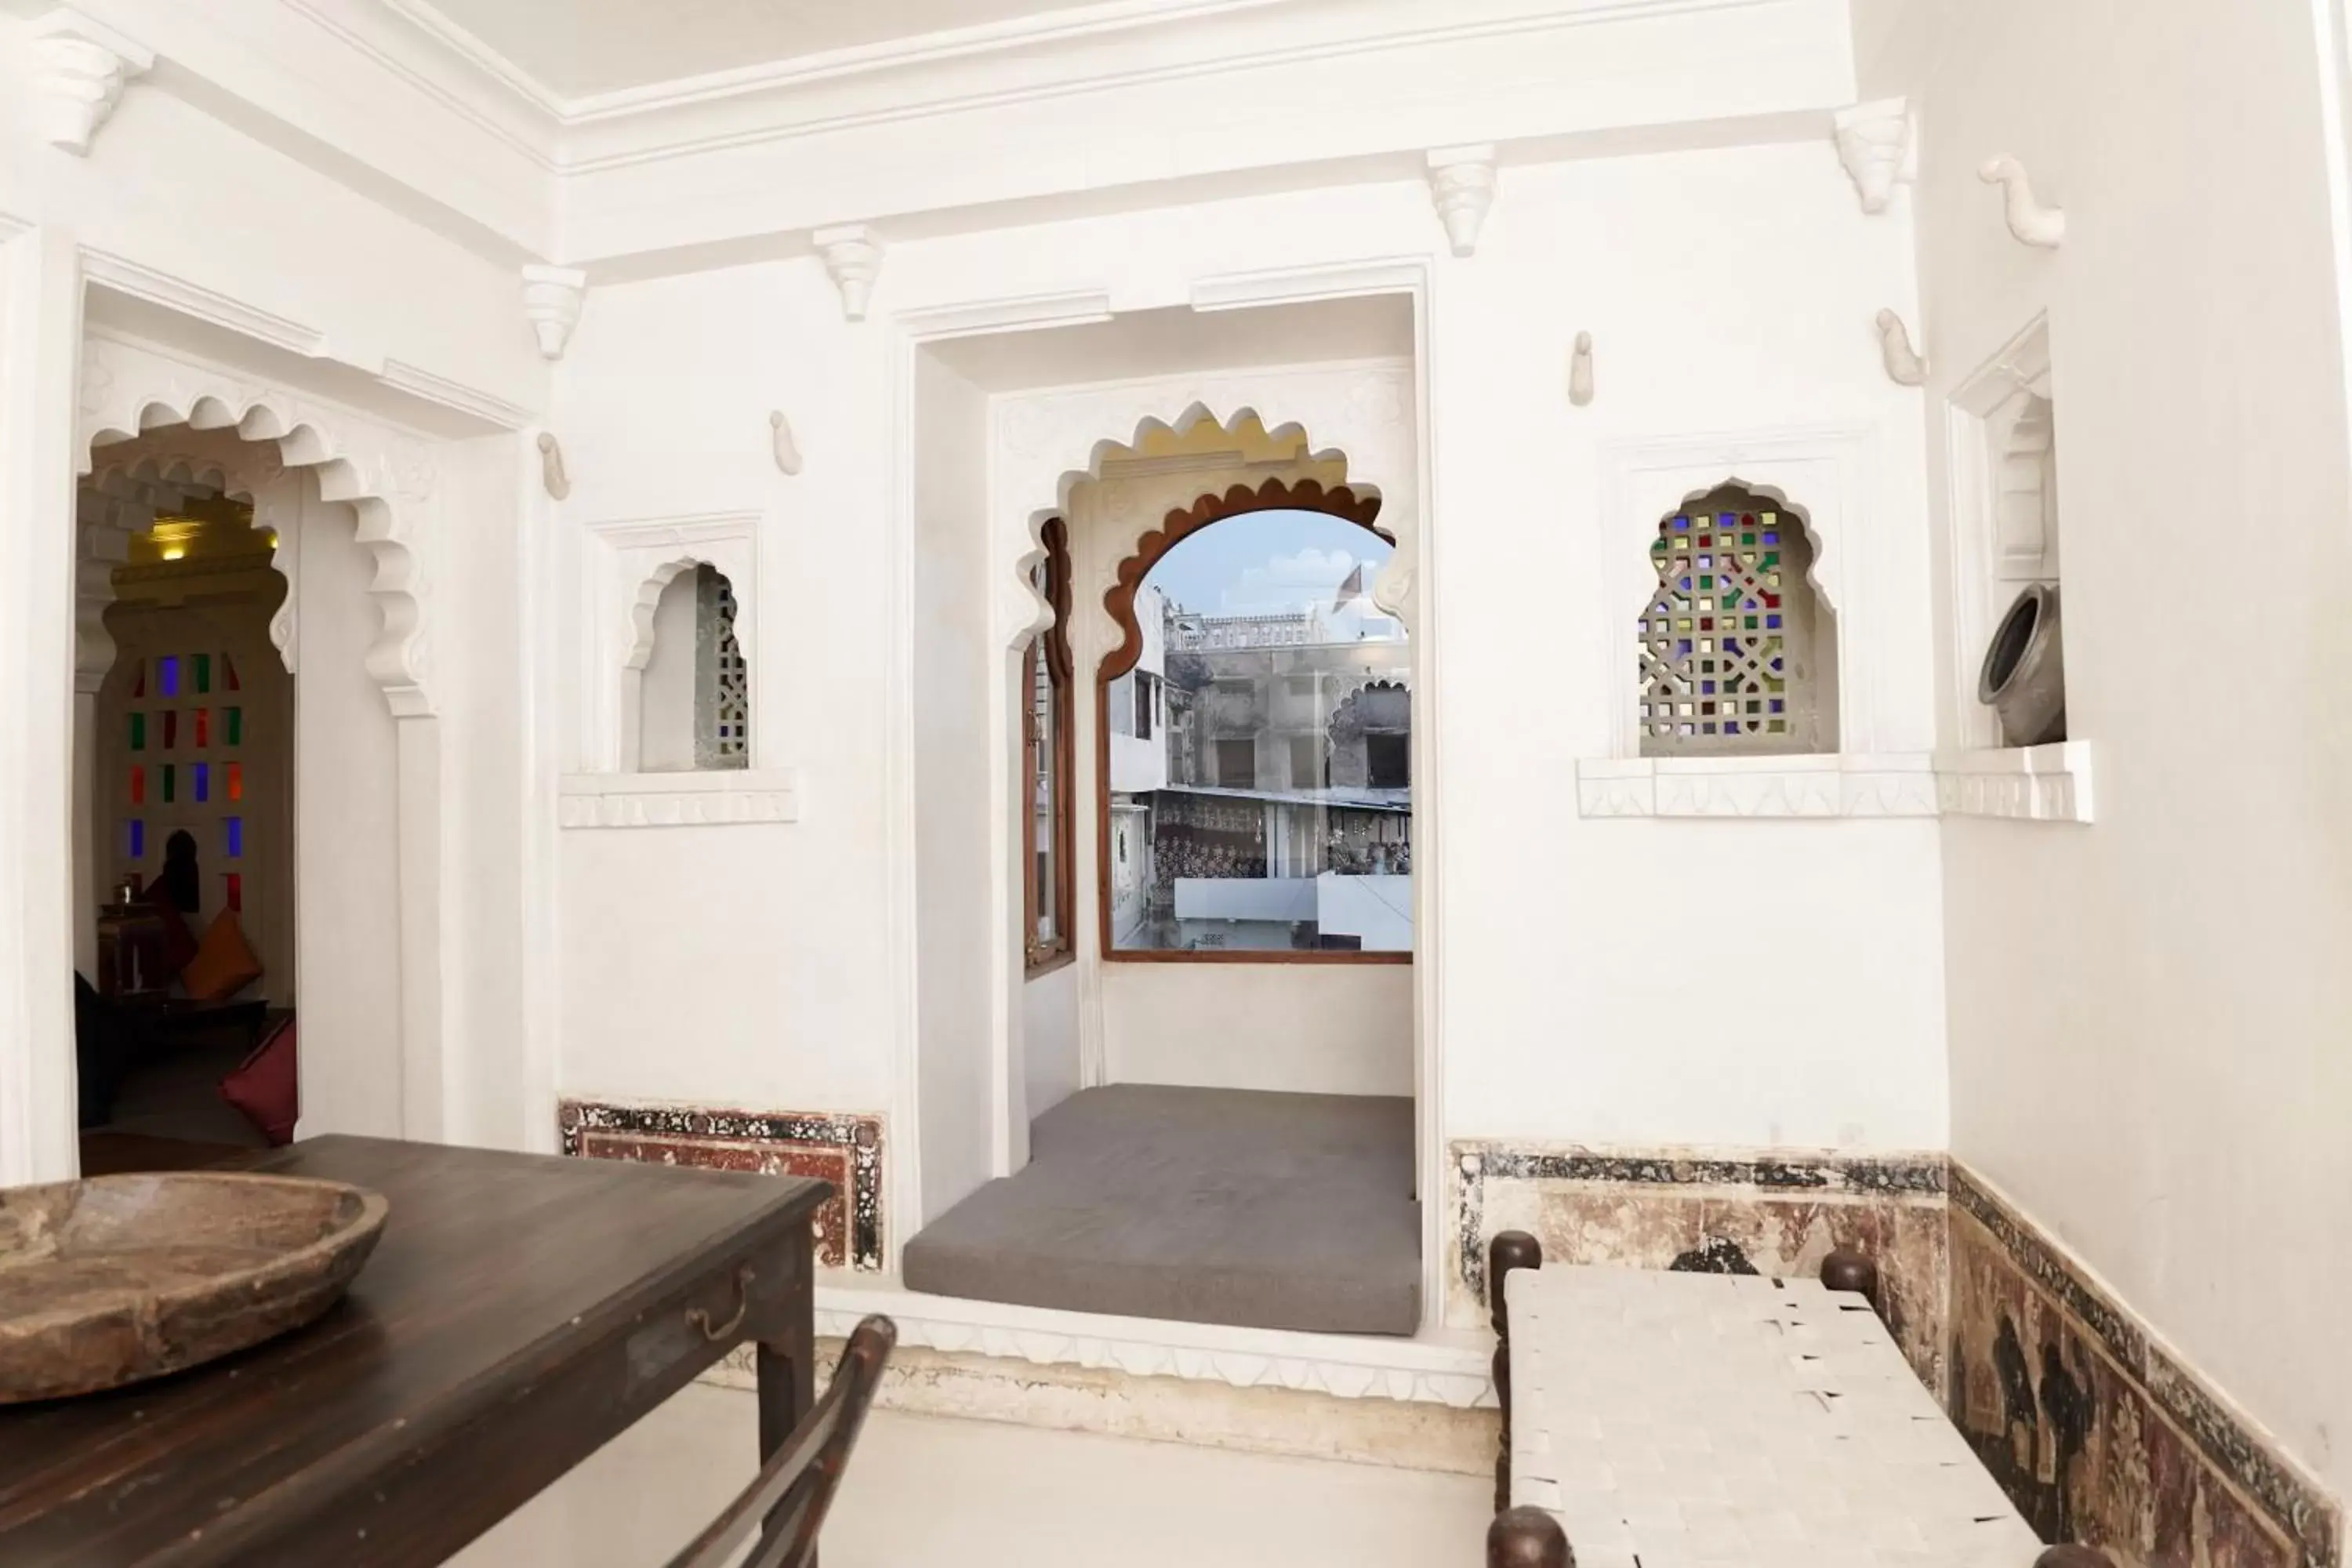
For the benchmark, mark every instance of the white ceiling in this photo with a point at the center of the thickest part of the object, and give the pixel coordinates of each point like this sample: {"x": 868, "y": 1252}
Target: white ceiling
{"x": 578, "y": 47}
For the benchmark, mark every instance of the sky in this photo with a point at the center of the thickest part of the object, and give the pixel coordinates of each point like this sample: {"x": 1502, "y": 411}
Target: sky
{"x": 1266, "y": 563}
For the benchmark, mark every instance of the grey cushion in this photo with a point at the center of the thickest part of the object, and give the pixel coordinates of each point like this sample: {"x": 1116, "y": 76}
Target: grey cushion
{"x": 1206, "y": 1205}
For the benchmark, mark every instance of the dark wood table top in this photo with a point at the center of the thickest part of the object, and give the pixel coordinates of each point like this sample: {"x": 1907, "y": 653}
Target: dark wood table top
{"x": 494, "y": 1272}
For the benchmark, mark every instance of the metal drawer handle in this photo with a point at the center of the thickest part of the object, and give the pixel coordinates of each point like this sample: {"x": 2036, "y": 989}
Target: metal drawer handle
{"x": 715, "y": 1332}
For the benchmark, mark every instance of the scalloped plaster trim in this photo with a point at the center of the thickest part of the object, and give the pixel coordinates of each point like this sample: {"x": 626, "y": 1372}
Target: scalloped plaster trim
{"x": 2033, "y": 784}
{"x": 1344, "y": 1366}
{"x": 716, "y": 799}
{"x": 386, "y": 475}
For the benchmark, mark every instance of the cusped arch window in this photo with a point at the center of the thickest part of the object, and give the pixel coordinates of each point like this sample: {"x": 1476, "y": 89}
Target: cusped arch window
{"x": 695, "y": 695}
{"x": 1738, "y": 648}
{"x": 1256, "y": 785}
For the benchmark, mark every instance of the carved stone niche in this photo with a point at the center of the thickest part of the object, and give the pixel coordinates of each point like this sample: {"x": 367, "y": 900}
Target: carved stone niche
{"x": 2006, "y": 530}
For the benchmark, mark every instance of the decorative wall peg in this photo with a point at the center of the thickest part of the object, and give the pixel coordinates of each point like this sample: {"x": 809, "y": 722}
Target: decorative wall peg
{"x": 788, "y": 451}
{"x": 1876, "y": 144}
{"x": 550, "y": 300}
{"x": 1462, "y": 183}
{"x": 1579, "y": 371}
{"x": 2028, "y": 219}
{"x": 854, "y": 259}
{"x": 551, "y": 466}
{"x": 1903, "y": 364}
{"x": 79, "y": 69}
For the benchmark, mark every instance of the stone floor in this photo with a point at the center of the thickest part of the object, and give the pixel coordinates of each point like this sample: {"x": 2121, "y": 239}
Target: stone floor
{"x": 935, "y": 1493}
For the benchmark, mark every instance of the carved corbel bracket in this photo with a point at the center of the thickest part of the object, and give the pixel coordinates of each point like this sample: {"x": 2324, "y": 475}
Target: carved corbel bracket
{"x": 1462, "y": 183}
{"x": 552, "y": 298}
{"x": 2029, "y": 220}
{"x": 80, "y": 68}
{"x": 1878, "y": 144}
{"x": 853, "y": 258}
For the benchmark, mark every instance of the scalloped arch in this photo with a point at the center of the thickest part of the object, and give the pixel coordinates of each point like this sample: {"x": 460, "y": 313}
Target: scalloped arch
{"x": 649, "y": 601}
{"x": 1391, "y": 591}
{"x": 1273, "y": 495}
{"x": 385, "y": 477}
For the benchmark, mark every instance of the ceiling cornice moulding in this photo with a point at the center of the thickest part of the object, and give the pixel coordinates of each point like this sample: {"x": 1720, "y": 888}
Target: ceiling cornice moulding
{"x": 1091, "y": 48}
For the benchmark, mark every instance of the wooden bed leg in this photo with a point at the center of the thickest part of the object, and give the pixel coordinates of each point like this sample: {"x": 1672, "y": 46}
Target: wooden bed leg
{"x": 2073, "y": 1557}
{"x": 1510, "y": 1249}
{"x": 1846, "y": 1269}
{"x": 1527, "y": 1537}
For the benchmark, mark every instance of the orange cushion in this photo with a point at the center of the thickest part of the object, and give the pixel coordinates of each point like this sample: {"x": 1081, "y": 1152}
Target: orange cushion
{"x": 224, "y": 964}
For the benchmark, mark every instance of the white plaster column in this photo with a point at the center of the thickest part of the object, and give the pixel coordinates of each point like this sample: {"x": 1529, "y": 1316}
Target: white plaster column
{"x": 41, "y": 345}
{"x": 425, "y": 1080}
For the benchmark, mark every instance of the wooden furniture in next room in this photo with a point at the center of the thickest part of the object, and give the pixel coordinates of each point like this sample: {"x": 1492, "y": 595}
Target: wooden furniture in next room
{"x": 1727, "y": 1419}
{"x": 518, "y": 1312}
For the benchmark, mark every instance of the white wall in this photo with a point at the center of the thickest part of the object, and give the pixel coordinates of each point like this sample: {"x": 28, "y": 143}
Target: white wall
{"x": 1049, "y": 1013}
{"x": 2147, "y": 1015}
{"x": 957, "y": 914}
{"x": 1306, "y": 1028}
{"x": 666, "y": 698}
{"x": 346, "y": 832}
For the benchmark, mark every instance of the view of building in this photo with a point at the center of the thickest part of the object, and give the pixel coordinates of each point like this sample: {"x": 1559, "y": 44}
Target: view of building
{"x": 1261, "y": 779}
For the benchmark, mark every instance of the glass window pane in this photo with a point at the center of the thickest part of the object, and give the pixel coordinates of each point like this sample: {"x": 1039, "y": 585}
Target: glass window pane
{"x": 1263, "y": 803}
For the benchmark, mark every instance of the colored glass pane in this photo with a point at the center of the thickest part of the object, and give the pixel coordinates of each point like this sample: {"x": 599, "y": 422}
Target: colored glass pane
{"x": 139, "y": 731}
{"x": 236, "y": 891}
{"x": 200, "y": 781}
{"x": 233, "y": 836}
{"x": 229, "y": 683}
{"x": 171, "y": 731}
{"x": 138, "y": 786}
{"x": 236, "y": 718}
{"x": 236, "y": 781}
{"x": 203, "y": 727}
{"x": 138, "y": 839}
{"x": 167, "y": 675}
{"x": 139, "y": 678}
{"x": 170, "y": 779}
{"x": 203, "y": 671}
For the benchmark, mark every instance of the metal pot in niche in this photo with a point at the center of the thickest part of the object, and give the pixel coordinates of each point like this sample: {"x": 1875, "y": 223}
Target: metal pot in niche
{"x": 2024, "y": 675}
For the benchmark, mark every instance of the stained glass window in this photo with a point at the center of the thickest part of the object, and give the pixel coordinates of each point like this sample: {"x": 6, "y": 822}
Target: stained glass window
{"x": 138, "y": 839}
{"x": 233, "y": 838}
{"x": 1728, "y": 643}
{"x": 171, "y": 730}
{"x": 229, "y": 681}
{"x": 170, "y": 779}
{"x": 138, "y": 784}
{"x": 203, "y": 671}
{"x": 236, "y": 880}
{"x": 234, "y": 785}
{"x": 200, "y": 781}
{"x": 203, "y": 727}
{"x": 139, "y": 731}
{"x": 167, "y": 676}
{"x": 234, "y": 719}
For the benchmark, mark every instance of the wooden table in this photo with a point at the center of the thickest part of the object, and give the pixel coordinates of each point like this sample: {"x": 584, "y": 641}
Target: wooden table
{"x": 518, "y": 1312}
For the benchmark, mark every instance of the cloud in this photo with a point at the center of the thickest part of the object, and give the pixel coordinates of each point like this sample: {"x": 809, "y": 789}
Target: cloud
{"x": 1288, "y": 584}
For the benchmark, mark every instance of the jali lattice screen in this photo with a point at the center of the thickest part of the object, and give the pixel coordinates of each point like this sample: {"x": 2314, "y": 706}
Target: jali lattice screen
{"x": 1724, "y": 641}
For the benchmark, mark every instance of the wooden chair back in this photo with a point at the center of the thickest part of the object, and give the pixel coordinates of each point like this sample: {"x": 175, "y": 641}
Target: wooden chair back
{"x": 786, "y": 1504}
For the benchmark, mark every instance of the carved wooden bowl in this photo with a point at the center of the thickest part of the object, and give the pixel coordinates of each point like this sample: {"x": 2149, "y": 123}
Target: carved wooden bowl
{"x": 110, "y": 1280}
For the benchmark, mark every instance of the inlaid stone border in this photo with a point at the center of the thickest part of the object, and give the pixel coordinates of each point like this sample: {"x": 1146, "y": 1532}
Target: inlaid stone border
{"x": 841, "y": 1148}
{"x": 2233, "y": 1446}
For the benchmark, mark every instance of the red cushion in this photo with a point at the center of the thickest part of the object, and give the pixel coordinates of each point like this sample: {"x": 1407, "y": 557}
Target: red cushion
{"x": 179, "y": 942}
{"x": 266, "y": 1087}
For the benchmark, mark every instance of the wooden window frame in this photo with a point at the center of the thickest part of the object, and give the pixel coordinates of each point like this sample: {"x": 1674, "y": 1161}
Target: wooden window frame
{"x": 1273, "y": 495}
{"x": 1053, "y": 643}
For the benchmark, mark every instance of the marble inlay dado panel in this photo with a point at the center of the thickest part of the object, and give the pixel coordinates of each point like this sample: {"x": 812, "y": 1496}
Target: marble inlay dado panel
{"x": 1778, "y": 1213}
{"x": 2096, "y": 1432}
{"x": 845, "y": 1151}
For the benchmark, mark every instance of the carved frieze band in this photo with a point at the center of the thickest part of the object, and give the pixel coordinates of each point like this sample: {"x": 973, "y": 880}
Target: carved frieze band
{"x": 2042, "y": 783}
{"x": 678, "y": 800}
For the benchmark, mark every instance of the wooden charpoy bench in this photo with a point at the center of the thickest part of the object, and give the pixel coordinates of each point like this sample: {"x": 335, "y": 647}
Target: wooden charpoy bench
{"x": 1727, "y": 1421}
